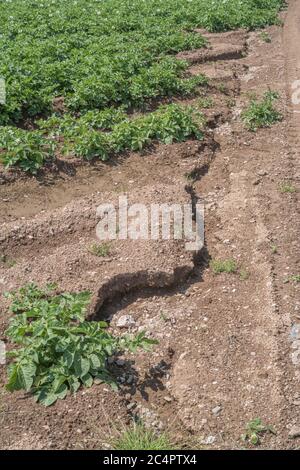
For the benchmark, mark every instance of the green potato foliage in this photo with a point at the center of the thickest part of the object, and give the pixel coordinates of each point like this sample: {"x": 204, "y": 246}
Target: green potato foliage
{"x": 58, "y": 351}
{"x": 103, "y": 56}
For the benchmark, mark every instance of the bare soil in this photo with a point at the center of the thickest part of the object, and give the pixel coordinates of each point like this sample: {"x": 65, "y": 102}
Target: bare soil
{"x": 227, "y": 349}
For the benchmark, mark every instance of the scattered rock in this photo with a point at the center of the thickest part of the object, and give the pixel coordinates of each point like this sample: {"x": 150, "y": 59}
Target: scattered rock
{"x": 294, "y": 432}
{"x": 120, "y": 362}
{"x": 130, "y": 406}
{"x": 216, "y": 410}
{"x": 168, "y": 399}
{"x": 130, "y": 379}
{"x": 125, "y": 321}
{"x": 209, "y": 440}
{"x": 262, "y": 173}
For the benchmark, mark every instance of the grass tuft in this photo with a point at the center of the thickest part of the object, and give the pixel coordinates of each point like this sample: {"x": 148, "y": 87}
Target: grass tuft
{"x": 138, "y": 437}
{"x": 223, "y": 266}
{"x": 295, "y": 278}
{"x": 287, "y": 188}
{"x": 100, "y": 250}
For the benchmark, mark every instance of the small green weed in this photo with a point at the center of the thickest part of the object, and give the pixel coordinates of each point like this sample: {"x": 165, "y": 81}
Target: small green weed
{"x": 164, "y": 317}
{"x": 274, "y": 249}
{"x": 265, "y": 37}
{"x": 205, "y": 103}
{"x": 222, "y": 88}
{"x": 287, "y": 188}
{"x": 100, "y": 249}
{"x": 244, "y": 275}
{"x": 255, "y": 429}
{"x": 230, "y": 102}
{"x": 223, "y": 266}
{"x": 6, "y": 261}
{"x": 261, "y": 113}
{"x": 295, "y": 278}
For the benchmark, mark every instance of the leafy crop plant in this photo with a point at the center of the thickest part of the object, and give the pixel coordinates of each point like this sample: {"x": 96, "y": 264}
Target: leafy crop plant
{"x": 101, "y": 60}
{"x": 57, "y": 350}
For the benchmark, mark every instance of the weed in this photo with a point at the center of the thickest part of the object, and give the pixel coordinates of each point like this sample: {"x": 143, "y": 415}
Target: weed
{"x": 190, "y": 176}
{"x": 223, "y": 266}
{"x": 222, "y": 88}
{"x": 164, "y": 317}
{"x": 255, "y": 429}
{"x": 295, "y": 278}
{"x": 6, "y": 261}
{"x": 265, "y": 37}
{"x": 287, "y": 188}
{"x": 205, "y": 103}
{"x": 138, "y": 437}
{"x": 261, "y": 113}
{"x": 244, "y": 275}
{"x": 230, "y": 102}
{"x": 274, "y": 249}
{"x": 100, "y": 250}
{"x": 58, "y": 351}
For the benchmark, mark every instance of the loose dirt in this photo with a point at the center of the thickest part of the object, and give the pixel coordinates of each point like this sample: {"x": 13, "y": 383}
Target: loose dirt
{"x": 227, "y": 348}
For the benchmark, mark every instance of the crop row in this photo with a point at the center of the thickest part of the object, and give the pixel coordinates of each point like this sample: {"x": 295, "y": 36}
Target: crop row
{"x": 96, "y": 53}
{"x": 83, "y": 137}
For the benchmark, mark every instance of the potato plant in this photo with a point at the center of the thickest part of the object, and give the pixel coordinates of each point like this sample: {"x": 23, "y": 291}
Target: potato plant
{"x": 102, "y": 57}
{"x": 58, "y": 351}
{"x": 83, "y": 137}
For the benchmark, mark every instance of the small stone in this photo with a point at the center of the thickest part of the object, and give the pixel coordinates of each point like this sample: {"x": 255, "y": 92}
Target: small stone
{"x": 168, "y": 399}
{"x": 130, "y": 406}
{"x": 216, "y": 410}
{"x": 294, "y": 432}
{"x": 120, "y": 362}
{"x": 262, "y": 173}
{"x": 125, "y": 321}
{"x": 209, "y": 440}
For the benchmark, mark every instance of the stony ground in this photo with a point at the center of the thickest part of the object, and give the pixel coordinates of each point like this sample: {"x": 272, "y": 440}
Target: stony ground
{"x": 228, "y": 344}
